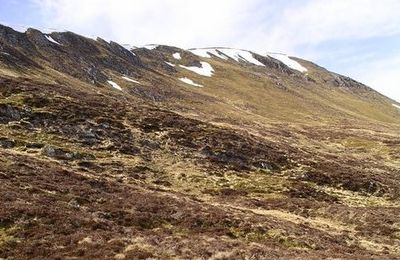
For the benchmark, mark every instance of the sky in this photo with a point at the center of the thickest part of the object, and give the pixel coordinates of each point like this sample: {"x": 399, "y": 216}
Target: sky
{"x": 356, "y": 38}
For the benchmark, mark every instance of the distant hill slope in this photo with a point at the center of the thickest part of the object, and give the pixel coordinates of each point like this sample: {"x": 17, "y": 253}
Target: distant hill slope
{"x": 218, "y": 153}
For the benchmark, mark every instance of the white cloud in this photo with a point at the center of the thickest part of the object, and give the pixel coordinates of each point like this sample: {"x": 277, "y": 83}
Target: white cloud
{"x": 303, "y": 25}
{"x": 176, "y": 22}
{"x": 254, "y": 24}
{"x": 383, "y": 75}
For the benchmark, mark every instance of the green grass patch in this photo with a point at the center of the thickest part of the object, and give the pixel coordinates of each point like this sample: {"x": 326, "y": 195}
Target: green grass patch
{"x": 7, "y": 233}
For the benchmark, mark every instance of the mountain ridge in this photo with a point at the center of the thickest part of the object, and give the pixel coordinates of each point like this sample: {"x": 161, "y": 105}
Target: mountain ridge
{"x": 87, "y": 67}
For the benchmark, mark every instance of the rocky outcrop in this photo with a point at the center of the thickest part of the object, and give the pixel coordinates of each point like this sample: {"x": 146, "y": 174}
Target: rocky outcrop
{"x": 124, "y": 53}
{"x": 38, "y": 38}
{"x": 14, "y": 38}
{"x": 346, "y": 82}
{"x": 274, "y": 64}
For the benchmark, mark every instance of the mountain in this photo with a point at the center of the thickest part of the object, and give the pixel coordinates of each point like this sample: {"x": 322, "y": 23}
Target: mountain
{"x": 112, "y": 151}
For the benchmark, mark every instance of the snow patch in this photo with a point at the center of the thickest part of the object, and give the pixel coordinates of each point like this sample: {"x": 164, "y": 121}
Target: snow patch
{"x": 151, "y": 46}
{"x": 246, "y": 56}
{"x": 205, "y": 70}
{"x": 205, "y": 53}
{"x": 241, "y": 55}
{"x": 201, "y": 52}
{"x": 177, "y": 56}
{"x": 48, "y": 37}
{"x": 170, "y": 64}
{"x": 131, "y": 80}
{"x": 190, "y": 82}
{"x": 396, "y": 106}
{"x": 114, "y": 85}
{"x": 288, "y": 61}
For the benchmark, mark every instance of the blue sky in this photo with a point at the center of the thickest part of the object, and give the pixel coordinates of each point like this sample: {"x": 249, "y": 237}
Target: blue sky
{"x": 358, "y": 38}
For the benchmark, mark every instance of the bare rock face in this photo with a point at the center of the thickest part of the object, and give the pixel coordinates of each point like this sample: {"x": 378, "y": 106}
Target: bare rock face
{"x": 78, "y": 44}
{"x": 9, "y": 113}
{"x": 14, "y": 38}
{"x": 94, "y": 74}
{"x": 124, "y": 53}
{"x": 346, "y": 82}
{"x": 273, "y": 64}
{"x": 37, "y": 38}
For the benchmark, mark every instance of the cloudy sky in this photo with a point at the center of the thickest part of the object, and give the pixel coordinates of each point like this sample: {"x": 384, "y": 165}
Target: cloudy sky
{"x": 358, "y": 38}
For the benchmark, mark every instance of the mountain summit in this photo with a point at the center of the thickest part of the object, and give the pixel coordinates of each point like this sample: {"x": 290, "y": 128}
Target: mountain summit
{"x": 112, "y": 151}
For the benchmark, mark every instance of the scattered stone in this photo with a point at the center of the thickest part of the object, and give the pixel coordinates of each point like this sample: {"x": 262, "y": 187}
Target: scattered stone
{"x": 266, "y": 166}
{"x": 34, "y": 145}
{"x": 57, "y": 153}
{"x": 6, "y": 143}
{"x": 88, "y": 137}
{"x": 87, "y": 165}
{"x": 149, "y": 144}
{"x": 129, "y": 149}
{"x": 61, "y": 154}
{"x": 162, "y": 183}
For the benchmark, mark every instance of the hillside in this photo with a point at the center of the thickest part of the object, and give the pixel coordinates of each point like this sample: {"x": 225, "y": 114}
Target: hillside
{"x": 159, "y": 152}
